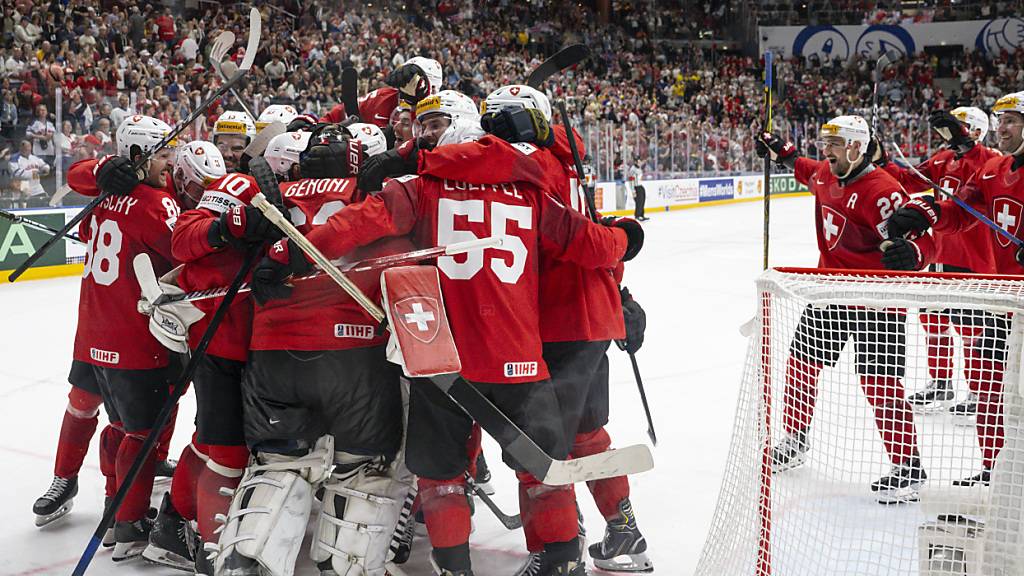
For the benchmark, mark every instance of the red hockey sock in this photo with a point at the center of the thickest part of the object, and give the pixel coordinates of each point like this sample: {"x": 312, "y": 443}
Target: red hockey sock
{"x": 445, "y": 511}
{"x": 163, "y": 444}
{"x": 985, "y": 377}
{"x": 800, "y": 394}
{"x": 80, "y": 419}
{"x": 548, "y": 512}
{"x": 184, "y": 481}
{"x": 893, "y": 416}
{"x": 473, "y": 449}
{"x": 110, "y": 443}
{"x": 607, "y": 492}
{"x": 223, "y": 470}
{"x": 136, "y": 502}
{"x": 940, "y": 345}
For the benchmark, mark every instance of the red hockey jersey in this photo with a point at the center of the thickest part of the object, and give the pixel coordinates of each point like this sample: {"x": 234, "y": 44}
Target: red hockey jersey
{"x": 111, "y": 331}
{"x": 851, "y": 220}
{"x": 966, "y": 249}
{"x": 374, "y": 108}
{"x": 997, "y": 192}
{"x": 492, "y": 294}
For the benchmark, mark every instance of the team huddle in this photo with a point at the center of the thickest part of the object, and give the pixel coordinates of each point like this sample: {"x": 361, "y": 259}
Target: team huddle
{"x": 865, "y": 219}
{"x": 300, "y": 394}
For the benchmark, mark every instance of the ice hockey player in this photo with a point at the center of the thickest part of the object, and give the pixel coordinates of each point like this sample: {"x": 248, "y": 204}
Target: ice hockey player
{"x": 319, "y": 392}
{"x": 232, "y": 132}
{"x": 502, "y": 358}
{"x": 411, "y": 82}
{"x": 133, "y": 370}
{"x": 853, "y": 200}
{"x": 962, "y": 130}
{"x": 996, "y": 190}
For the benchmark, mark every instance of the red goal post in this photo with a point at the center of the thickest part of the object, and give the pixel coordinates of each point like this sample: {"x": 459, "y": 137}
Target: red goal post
{"x": 834, "y": 360}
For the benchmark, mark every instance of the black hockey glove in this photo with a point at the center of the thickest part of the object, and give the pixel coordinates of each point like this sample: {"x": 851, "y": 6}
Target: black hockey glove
{"x": 411, "y": 82}
{"x": 635, "y": 319}
{"x": 114, "y": 175}
{"x": 913, "y": 218}
{"x": 333, "y": 159}
{"x": 783, "y": 153}
{"x": 241, "y": 227}
{"x": 634, "y": 234}
{"x": 397, "y": 162}
{"x": 270, "y": 277}
{"x": 876, "y": 151}
{"x": 901, "y": 254}
{"x": 952, "y": 131}
{"x": 519, "y": 125}
{"x": 301, "y": 123}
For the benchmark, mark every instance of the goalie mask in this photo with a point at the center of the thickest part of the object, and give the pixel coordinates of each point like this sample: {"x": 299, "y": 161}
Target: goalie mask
{"x": 196, "y": 166}
{"x": 283, "y": 113}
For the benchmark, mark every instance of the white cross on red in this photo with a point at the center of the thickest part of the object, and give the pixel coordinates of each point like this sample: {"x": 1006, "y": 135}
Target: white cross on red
{"x": 419, "y": 317}
{"x": 1005, "y": 219}
{"x": 829, "y": 227}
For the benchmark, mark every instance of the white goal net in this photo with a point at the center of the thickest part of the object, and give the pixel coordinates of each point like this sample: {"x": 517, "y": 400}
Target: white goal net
{"x": 878, "y": 429}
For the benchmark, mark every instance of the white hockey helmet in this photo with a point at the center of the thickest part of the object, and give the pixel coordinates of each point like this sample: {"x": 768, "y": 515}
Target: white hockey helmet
{"x": 143, "y": 132}
{"x": 452, "y": 103}
{"x": 1012, "y": 102}
{"x": 196, "y": 166}
{"x": 370, "y": 135}
{"x": 516, "y": 96}
{"x": 283, "y": 151}
{"x": 432, "y": 68}
{"x": 849, "y": 128}
{"x": 461, "y": 130}
{"x": 234, "y": 122}
{"x": 284, "y": 113}
{"x": 975, "y": 119}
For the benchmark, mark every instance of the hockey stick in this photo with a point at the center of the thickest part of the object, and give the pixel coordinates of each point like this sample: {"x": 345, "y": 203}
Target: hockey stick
{"x": 513, "y": 440}
{"x": 221, "y": 44}
{"x": 767, "y": 158}
{"x": 367, "y": 265}
{"x": 956, "y": 200}
{"x": 588, "y": 194}
{"x": 165, "y": 413}
{"x": 565, "y": 58}
{"x": 350, "y": 92}
{"x": 643, "y": 399}
{"x": 509, "y": 522}
{"x": 143, "y": 159}
{"x": 15, "y": 219}
{"x": 883, "y": 62}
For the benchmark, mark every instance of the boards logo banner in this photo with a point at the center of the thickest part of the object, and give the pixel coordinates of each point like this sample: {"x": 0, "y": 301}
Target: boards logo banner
{"x": 18, "y": 242}
{"x": 786, "y": 184}
{"x": 717, "y": 189}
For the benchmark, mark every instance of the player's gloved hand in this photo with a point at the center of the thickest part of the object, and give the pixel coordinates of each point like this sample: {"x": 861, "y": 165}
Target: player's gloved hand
{"x": 519, "y": 125}
{"x": 411, "y": 82}
{"x": 901, "y": 254}
{"x": 952, "y": 131}
{"x": 270, "y": 277}
{"x": 913, "y": 218}
{"x": 242, "y": 226}
{"x": 396, "y": 162}
{"x": 877, "y": 153}
{"x": 635, "y": 319}
{"x": 634, "y": 234}
{"x": 114, "y": 175}
{"x": 333, "y": 159}
{"x": 301, "y": 123}
{"x": 779, "y": 149}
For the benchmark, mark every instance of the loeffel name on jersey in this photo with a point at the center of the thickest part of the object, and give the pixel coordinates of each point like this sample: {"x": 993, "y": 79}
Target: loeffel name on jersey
{"x": 122, "y": 204}
{"x": 508, "y": 188}
{"x": 360, "y": 331}
{"x": 312, "y": 186}
{"x": 519, "y": 369}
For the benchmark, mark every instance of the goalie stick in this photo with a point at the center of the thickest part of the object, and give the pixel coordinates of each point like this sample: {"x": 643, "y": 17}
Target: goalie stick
{"x": 509, "y": 522}
{"x": 565, "y": 58}
{"x": 367, "y": 265}
{"x": 513, "y": 440}
{"x": 250, "y": 55}
{"x": 350, "y": 92}
{"x": 15, "y": 219}
{"x": 221, "y": 44}
{"x": 956, "y": 200}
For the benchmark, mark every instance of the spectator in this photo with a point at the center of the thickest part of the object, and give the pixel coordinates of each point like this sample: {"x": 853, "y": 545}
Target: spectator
{"x": 8, "y": 115}
{"x": 28, "y": 169}
{"x": 40, "y": 132}
{"x": 123, "y": 110}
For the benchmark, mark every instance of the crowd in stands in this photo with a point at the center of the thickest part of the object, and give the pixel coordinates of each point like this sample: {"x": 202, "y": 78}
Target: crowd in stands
{"x": 646, "y": 93}
{"x": 847, "y": 12}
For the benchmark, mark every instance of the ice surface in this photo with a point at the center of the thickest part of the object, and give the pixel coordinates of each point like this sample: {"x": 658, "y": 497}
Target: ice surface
{"x": 695, "y": 279}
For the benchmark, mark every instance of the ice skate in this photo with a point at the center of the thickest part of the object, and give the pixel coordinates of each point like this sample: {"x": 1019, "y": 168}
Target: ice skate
{"x": 790, "y": 453}
{"x": 171, "y": 540}
{"x": 967, "y": 408}
{"x": 164, "y": 471}
{"x": 624, "y": 548}
{"x": 56, "y": 502}
{"x": 935, "y": 397}
{"x": 982, "y": 478}
{"x": 483, "y": 475}
{"x": 130, "y": 539}
{"x": 901, "y": 484}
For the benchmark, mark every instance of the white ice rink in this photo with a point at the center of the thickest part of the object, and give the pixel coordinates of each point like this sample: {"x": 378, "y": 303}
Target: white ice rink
{"x": 695, "y": 279}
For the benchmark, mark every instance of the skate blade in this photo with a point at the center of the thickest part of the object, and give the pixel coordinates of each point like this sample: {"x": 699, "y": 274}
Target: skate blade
{"x": 108, "y": 538}
{"x": 795, "y": 462}
{"x": 907, "y": 495}
{"x": 156, "y": 555}
{"x": 486, "y": 488}
{"x": 127, "y": 550}
{"x": 934, "y": 407}
{"x": 964, "y": 420}
{"x": 47, "y": 519}
{"x": 626, "y": 563}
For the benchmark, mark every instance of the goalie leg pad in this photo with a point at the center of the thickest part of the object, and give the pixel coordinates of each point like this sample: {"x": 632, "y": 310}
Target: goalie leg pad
{"x": 270, "y": 509}
{"x": 362, "y": 503}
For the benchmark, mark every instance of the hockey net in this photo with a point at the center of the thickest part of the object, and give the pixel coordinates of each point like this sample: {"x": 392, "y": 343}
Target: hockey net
{"x": 834, "y": 357}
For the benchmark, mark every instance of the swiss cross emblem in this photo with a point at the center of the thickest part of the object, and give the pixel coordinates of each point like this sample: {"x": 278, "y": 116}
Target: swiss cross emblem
{"x": 951, "y": 183}
{"x": 200, "y": 151}
{"x": 514, "y": 90}
{"x": 419, "y": 316}
{"x": 832, "y": 225}
{"x": 367, "y": 130}
{"x": 1007, "y": 213}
